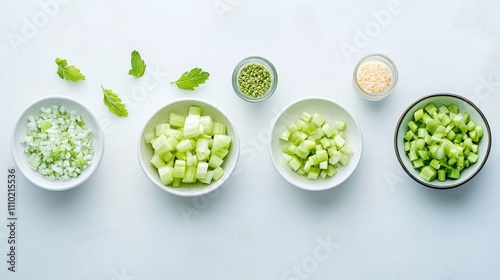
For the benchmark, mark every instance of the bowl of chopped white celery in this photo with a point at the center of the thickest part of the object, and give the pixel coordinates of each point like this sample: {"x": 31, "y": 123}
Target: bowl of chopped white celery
{"x": 316, "y": 144}
{"x": 188, "y": 147}
{"x": 57, "y": 143}
{"x": 442, "y": 140}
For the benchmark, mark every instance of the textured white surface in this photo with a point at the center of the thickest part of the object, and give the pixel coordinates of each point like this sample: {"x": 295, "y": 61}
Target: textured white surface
{"x": 379, "y": 224}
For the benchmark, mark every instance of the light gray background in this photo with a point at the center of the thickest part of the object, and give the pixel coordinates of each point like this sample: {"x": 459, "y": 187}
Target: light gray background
{"x": 377, "y": 225}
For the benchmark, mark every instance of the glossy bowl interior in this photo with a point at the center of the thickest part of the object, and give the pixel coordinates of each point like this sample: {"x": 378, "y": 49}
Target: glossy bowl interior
{"x": 331, "y": 111}
{"x": 464, "y": 105}
{"x": 181, "y": 106}
{"x": 20, "y": 130}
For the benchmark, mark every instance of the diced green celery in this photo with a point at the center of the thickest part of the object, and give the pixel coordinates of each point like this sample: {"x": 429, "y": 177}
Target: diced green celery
{"x": 221, "y": 153}
{"x": 328, "y": 130}
{"x": 221, "y": 142}
{"x": 418, "y": 114}
{"x": 339, "y": 141}
{"x": 148, "y": 137}
{"x": 207, "y": 123}
{"x": 409, "y": 135}
{"x": 344, "y": 159}
{"x": 219, "y": 128}
{"x": 285, "y": 135}
{"x": 412, "y": 126}
{"x": 218, "y": 172}
{"x": 317, "y": 119}
{"x": 441, "y": 175}
{"x": 313, "y": 173}
{"x": 161, "y": 128}
{"x": 189, "y": 176}
{"x": 331, "y": 170}
{"x": 406, "y": 146}
{"x": 286, "y": 157}
{"x": 417, "y": 163}
{"x": 340, "y": 125}
{"x": 208, "y": 177}
{"x": 430, "y": 108}
{"x": 176, "y": 120}
{"x": 323, "y": 165}
{"x": 307, "y": 166}
{"x": 325, "y": 143}
{"x": 322, "y": 155}
{"x": 297, "y": 137}
{"x": 166, "y": 173}
{"x": 313, "y": 159}
{"x": 179, "y": 169}
{"x": 428, "y": 173}
{"x": 472, "y": 157}
{"x": 294, "y": 164}
{"x": 413, "y": 155}
{"x": 347, "y": 150}
{"x": 335, "y": 158}
{"x": 423, "y": 154}
{"x": 454, "y": 174}
{"x": 431, "y": 125}
{"x": 191, "y": 160}
{"x": 292, "y": 127}
{"x": 167, "y": 156}
{"x": 318, "y": 133}
{"x": 306, "y": 117}
{"x": 308, "y": 129}
{"x": 215, "y": 161}
{"x": 192, "y": 127}
{"x": 194, "y": 110}
{"x": 300, "y": 124}
{"x": 157, "y": 161}
{"x": 184, "y": 146}
{"x": 177, "y": 182}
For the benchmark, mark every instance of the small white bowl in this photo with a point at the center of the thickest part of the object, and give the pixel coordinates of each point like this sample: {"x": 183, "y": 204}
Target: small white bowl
{"x": 464, "y": 105}
{"x": 181, "y": 106}
{"x": 331, "y": 111}
{"x": 20, "y": 130}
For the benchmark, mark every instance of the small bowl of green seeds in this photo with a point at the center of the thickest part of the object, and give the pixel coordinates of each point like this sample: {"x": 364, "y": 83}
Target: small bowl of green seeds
{"x": 255, "y": 79}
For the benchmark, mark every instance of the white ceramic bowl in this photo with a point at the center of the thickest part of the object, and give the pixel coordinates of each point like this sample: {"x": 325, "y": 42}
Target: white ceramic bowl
{"x": 464, "y": 105}
{"x": 20, "y": 130}
{"x": 181, "y": 106}
{"x": 331, "y": 111}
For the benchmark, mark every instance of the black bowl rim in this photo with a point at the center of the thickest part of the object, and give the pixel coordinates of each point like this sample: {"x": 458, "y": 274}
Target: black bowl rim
{"x": 488, "y": 148}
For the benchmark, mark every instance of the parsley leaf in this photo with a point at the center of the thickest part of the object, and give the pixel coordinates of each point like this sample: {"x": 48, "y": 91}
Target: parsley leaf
{"x": 114, "y": 103}
{"x": 68, "y": 72}
{"x": 138, "y": 65}
{"x": 190, "y": 80}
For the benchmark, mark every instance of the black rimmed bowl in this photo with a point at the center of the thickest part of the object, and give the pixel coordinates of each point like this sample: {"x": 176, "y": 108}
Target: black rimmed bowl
{"x": 464, "y": 105}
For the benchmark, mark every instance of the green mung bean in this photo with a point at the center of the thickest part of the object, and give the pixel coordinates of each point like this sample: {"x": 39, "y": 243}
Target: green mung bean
{"x": 254, "y": 80}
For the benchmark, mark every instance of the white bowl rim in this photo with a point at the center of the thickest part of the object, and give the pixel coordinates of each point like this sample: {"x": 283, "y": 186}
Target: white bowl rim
{"x": 178, "y": 191}
{"x": 72, "y": 183}
{"x": 482, "y": 163}
{"x": 358, "y": 128}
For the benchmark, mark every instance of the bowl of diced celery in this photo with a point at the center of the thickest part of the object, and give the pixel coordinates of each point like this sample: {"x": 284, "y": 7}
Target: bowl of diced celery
{"x": 57, "y": 143}
{"x": 188, "y": 147}
{"x": 442, "y": 140}
{"x": 316, "y": 144}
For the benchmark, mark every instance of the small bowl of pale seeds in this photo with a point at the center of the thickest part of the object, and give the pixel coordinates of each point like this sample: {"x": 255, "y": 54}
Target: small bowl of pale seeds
{"x": 255, "y": 79}
{"x": 375, "y": 77}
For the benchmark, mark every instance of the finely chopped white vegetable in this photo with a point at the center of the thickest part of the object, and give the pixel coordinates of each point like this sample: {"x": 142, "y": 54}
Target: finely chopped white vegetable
{"x": 57, "y": 144}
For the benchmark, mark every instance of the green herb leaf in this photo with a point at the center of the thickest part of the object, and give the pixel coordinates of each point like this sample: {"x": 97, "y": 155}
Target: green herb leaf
{"x": 68, "y": 72}
{"x": 114, "y": 103}
{"x": 138, "y": 65}
{"x": 190, "y": 80}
